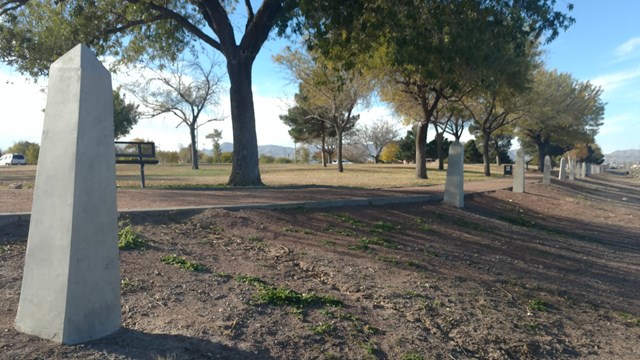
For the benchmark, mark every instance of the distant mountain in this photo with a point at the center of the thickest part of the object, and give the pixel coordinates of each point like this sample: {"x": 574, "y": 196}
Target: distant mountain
{"x": 269, "y": 150}
{"x": 623, "y": 156}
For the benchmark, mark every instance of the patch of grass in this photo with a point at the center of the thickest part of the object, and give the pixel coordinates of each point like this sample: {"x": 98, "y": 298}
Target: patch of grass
{"x": 380, "y": 241}
{"x": 517, "y": 220}
{"x": 217, "y": 229}
{"x": 635, "y": 320}
{"x": 537, "y": 305}
{"x": 430, "y": 252}
{"x": 411, "y": 355}
{"x": 251, "y": 280}
{"x": 126, "y": 284}
{"x": 370, "y": 347}
{"x": 360, "y": 247}
{"x": 388, "y": 259}
{"x": 280, "y": 296}
{"x": 254, "y": 238}
{"x": 423, "y": 224}
{"x": 328, "y": 243}
{"x": 182, "y": 263}
{"x": 294, "y": 229}
{"x": 346, "y": 232}
{"x": 334, "y": 315}
{"x": 532, "y": 328}
{"x": 224, "y": 276}
{"x": 348, "y": 219}
{"x": 323, "y": 329}
{"x": 413, "y": 264}
{"x": 382, "y": 226}
{"x": 128, "y": 239}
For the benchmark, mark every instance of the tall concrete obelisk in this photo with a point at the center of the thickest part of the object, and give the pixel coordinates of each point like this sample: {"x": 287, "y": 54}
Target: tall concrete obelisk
{"x": 71, "y": 284}
{"x": 546, "y": 172}
{"x": 454, "y": 184}
{"x": 518, "y": 172}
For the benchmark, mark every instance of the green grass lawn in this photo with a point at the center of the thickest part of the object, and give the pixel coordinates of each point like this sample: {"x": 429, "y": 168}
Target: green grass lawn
{"x": 181, "y": 176}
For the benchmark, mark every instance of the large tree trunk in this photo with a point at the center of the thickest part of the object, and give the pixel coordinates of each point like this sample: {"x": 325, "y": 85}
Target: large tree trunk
{"x": 421, "y": 160}
{"x": 194, "y": 148}
{"x": 486, "y": 155}
{"x": 541, "y": 147}
{"x": 245, "y": 170}
{"x": 439, "y": 138}
{"x": 339, "y": 132}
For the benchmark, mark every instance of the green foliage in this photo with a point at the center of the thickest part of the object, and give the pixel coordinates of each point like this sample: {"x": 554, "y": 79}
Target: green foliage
{"x": 125, "y": 114}
{"x": 215, "y": 137}
{"x": 382, "y": 226}
{"x": 379, "y": 241}
{"x": 129, "y": 239}
{"x": 412, "y": 355}
{"x": 432, "y": 148}
{"x": 182, "y": 263}
{"x": 348, "y": 219}
{"x": 280, "y": 296}
{"x": 537, "y": 305}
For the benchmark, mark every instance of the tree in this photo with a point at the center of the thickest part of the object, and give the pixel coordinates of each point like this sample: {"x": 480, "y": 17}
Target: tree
{"x": 306, "y": 124}
{"x": 438, "y": 149}
{"x": 30, "y": 150}
{"x": 390, "y": 153}
{"x": 125, "y": 114}
{"x": 32, "y": 33}
{"x": 407, "y": 147}
{"x": 215, "y": 137}
{"x": 471, "y": 153}
{"x": 433, "y": 50}
{"x": 561, "y": 113}
{"x": 376, "y": 136}
{"x": 491, "y": 111}
{"x": 331, "y": 92}
{"x": 185, "y": 90}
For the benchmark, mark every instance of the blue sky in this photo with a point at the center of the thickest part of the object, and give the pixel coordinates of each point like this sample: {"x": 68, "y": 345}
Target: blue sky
{"x": 603, "y": 47}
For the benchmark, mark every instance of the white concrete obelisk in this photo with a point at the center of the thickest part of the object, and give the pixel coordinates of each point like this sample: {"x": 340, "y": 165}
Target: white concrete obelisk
{"x": 518, "y": 172}
{"x": 454, "y": 185}
{"x": 546, "y": 172}
{"x": 562, "y": 174}
{"x": 71, "y": 283}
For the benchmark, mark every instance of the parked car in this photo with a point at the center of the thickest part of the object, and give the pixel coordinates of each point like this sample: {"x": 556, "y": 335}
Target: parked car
{"x": 13, "y": 159}
{"x": 334, "y": 162}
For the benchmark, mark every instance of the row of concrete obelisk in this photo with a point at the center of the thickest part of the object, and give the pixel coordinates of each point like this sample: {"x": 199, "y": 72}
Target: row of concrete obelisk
{"x": 571, "y": 169}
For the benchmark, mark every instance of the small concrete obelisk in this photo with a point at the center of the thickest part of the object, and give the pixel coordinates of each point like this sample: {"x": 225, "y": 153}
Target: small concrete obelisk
{"x": 572, "y": 169}
{"x": 71, "y": 283}
{"x": 546, "y": 173}
{"x": 562, "y": 173}
{"x": 518, "y": 172}
{"x": 454, "y": 186}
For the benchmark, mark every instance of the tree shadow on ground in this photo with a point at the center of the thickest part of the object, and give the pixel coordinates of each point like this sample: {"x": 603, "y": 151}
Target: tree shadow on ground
{"x": 135, "y": 344}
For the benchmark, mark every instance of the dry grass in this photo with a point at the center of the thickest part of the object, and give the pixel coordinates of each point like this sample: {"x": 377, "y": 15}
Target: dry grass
{"x": 354, "y": 175}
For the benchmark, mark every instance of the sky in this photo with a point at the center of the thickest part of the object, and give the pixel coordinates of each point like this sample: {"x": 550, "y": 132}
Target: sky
{"x": 602, "y": 47}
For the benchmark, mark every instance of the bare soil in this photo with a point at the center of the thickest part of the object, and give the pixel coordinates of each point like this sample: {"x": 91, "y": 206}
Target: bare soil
{"x": 551, "y": 273}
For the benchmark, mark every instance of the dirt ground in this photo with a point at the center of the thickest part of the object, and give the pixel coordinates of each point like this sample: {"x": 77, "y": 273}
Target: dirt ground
{"x": 551, "y": 273}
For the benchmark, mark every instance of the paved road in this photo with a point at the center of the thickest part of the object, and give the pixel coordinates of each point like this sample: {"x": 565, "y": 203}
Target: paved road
{"x": 19, "y": 201}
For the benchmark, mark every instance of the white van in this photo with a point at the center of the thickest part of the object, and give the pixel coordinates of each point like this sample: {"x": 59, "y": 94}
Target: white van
{"x": 13, "y": 159}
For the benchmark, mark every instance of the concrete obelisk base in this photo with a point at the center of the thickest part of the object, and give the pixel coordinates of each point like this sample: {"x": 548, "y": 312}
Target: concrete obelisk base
{"x": 71, "y": 283}
{"x": 518, "y": 172}
{"x": 546, "y": 173}
{"x": 562, "y": 173}
{"x": 454, "y": 185}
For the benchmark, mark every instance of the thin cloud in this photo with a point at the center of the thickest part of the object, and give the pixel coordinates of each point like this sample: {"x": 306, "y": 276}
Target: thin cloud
{"x": 628, "y": 49}
{"x": 616, "y": 80}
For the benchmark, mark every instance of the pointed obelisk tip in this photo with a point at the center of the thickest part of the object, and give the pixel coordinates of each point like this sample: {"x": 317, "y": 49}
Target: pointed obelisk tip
{"x": 79, "y": 57}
